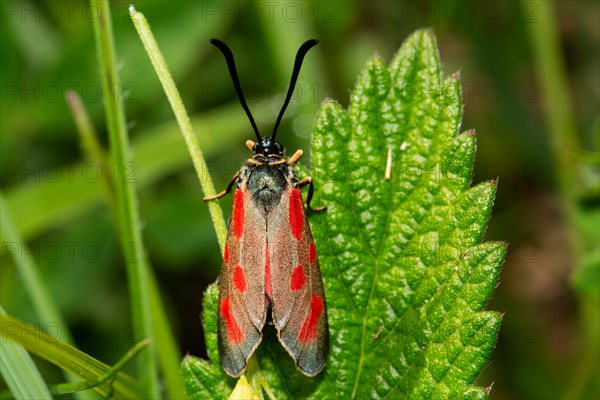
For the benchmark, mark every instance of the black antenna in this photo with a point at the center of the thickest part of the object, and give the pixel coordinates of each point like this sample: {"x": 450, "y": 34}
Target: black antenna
{"x": 306, "y": 46}
{"x": 236, "y": 81}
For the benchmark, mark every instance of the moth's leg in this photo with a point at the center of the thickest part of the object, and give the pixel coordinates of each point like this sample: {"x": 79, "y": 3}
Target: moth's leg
{"x": 224, "y": 192}
{"x": 294, "y": 158}
{"x": 308, "y": 181}
{"x": 250, "y": 144}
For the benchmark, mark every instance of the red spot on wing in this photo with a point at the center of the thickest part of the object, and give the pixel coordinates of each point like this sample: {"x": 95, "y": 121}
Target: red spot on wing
{"x": 239, "y": 279}
{"x": 312, "y": 253}
{"x": 226, "y": 255}
{"x": 296, "y": 214}
{"x": 298, "y": 278}
{"x": 268, "y": 288}
{"x": 310, "y": 327}
{"x": 234, "y": 332}
{"x": 238, "y": 213}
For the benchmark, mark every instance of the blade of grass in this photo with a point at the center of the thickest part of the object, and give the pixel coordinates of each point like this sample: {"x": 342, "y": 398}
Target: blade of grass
{"x": 12, "y": 241}
{"x": 129, "y": 224}
{"x": 559, "y": 113}
{"x": 79, "y": 386}
{"x": 43, "y": 303}
{"x": 67, "y": 357}
{"x": 160, "y": 66}
{"x": 92, "y": 148}
{"x": 65, "y": 388}
{"x": 566, "y": 147}
{"x": 19, "y": 371}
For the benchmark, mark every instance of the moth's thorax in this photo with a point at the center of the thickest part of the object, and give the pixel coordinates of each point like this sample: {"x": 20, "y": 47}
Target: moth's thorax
{"x": 266, "y": 178}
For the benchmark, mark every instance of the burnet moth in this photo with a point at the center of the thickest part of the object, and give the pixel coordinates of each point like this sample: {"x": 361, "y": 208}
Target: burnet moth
{"x": 270, "y": 272}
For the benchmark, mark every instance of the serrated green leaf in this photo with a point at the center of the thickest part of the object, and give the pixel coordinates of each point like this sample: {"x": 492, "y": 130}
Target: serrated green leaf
{"x": 405, "y": 274}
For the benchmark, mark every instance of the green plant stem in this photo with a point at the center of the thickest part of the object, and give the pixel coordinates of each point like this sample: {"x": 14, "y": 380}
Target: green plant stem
{"x": 559, "y": 112}
{"x": 65, "y": 388}
{"x": 160, "y": 66}
{"x": 560, "y": 120}
{"x": 183, "y": 120}
{"x": 129, "y": 224}
{"x": 92, "y": 148}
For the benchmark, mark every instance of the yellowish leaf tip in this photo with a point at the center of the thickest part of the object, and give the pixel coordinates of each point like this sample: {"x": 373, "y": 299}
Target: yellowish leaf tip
{"x": 243, "y": 390}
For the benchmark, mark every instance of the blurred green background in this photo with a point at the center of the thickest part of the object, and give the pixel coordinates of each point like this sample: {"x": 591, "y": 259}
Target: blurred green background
{"x": 531, "y": 89}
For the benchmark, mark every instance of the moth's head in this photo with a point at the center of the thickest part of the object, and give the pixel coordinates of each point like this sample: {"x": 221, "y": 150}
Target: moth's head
{"x": 268, "y": 147}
